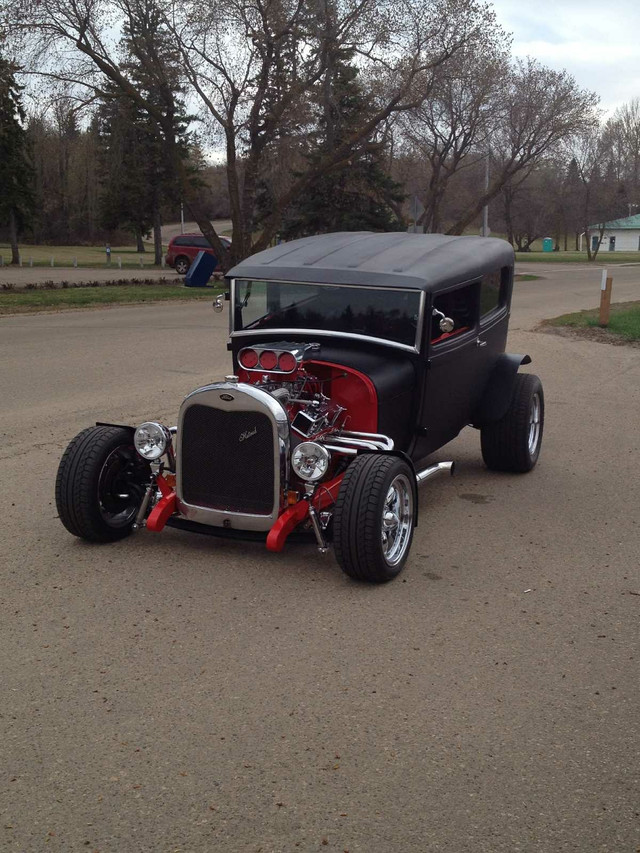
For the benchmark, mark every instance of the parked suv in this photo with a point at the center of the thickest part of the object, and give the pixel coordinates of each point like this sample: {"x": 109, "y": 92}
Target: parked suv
{"x": 183, "y": 249}
{"x": 355, "y": 356}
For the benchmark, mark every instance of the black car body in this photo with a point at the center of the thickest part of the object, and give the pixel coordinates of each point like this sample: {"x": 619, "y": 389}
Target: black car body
{"x": 355, "y": 356}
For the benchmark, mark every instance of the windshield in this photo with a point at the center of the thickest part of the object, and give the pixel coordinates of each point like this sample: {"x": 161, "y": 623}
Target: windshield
{"x": 391, "y": 315}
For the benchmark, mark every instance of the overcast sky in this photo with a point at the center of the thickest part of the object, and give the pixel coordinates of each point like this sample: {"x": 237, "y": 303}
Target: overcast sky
{"x": 599, "y": 43}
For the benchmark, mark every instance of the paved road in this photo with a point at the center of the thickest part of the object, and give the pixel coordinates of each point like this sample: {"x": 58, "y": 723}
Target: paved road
{"x": 563, "y": 288}
{"x": 179, "y": 693}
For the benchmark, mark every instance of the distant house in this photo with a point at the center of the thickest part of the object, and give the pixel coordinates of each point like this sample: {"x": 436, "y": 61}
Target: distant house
{"x": 620, "y": 235}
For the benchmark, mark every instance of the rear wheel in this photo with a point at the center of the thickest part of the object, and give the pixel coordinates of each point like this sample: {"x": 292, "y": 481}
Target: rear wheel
{"x": 100, "y": 484}
{"x": 373, "y": 519}
{"x": 182, "y": 265}
{"x": 513, "y": 443}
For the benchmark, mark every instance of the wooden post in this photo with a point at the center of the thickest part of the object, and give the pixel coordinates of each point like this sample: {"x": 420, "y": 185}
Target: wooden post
{"x": 605, "y": 298}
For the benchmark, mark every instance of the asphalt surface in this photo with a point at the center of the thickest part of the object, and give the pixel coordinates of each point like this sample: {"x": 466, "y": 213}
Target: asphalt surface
{"x": 174, "y": 692}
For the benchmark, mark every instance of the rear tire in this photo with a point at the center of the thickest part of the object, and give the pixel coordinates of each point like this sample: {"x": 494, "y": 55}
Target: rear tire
{"x": 513, "y": 443}
{"x": 373, "y": 519}
{"x": 100, "y": 484}
{"x": 181, "y": 265}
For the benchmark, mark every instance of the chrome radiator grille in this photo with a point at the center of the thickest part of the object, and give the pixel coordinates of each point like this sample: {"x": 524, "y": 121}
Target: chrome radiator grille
{"x": 227, "y": 460}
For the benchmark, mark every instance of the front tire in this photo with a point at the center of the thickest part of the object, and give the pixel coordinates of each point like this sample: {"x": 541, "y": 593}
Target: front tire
{"x": 513, "y": 443}
{"x": 373, "y": 519}
{"x": 100, "y": 484}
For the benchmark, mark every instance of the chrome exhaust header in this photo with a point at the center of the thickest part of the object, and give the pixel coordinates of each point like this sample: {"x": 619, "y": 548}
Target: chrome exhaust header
{"x": 434, "y": 470}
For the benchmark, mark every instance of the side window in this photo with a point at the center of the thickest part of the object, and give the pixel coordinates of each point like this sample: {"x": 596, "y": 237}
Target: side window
{"x": 197, "y": 242}
{"x": 493, "y": 289}
{"x": 461, "y": 306}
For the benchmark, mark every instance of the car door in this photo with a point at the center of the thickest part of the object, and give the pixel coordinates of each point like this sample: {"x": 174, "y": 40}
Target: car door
{"x": 460, "y": 362}
{"x": 451, "y": 376}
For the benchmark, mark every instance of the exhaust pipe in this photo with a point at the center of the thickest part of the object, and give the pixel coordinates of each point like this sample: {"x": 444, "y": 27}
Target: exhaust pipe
{"x": 434, "y": 470}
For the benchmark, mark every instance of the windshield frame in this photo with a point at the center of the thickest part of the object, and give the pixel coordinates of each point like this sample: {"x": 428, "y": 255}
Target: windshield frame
{"x": 284, "y": 330}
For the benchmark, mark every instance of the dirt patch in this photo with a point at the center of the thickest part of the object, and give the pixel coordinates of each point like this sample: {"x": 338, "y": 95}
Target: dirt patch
{"x": 590, "y": 333}
{"x": 600, "y": 336}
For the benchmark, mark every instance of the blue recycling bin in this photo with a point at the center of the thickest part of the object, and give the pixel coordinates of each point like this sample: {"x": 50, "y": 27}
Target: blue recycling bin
{"x": 200, "y": 270}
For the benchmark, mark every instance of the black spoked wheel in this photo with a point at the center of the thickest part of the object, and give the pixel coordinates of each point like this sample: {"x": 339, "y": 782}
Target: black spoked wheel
{"x": 182, "y": 265}
{"x": 373, "y": 519}
{"x": 513, "y": 443}
{"x": 100, "y": 484}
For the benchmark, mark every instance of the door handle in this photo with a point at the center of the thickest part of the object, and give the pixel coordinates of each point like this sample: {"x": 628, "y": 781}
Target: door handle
{"x": 480, "y": 343}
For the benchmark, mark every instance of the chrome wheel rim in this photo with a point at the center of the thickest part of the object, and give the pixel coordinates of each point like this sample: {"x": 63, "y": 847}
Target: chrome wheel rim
{"x": 534, "y": 423}
{"x": 397, "y": 520}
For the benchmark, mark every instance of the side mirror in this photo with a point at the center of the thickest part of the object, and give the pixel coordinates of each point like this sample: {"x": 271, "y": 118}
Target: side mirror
{"x": 218, "y": 304}
{"x": 446, "y": 324}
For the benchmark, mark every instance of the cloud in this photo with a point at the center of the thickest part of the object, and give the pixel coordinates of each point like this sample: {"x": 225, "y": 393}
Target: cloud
{"x": 596, "y": 43}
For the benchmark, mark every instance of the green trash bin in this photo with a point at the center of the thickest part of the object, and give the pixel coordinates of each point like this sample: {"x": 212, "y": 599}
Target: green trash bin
{"x": 547, "y": 244}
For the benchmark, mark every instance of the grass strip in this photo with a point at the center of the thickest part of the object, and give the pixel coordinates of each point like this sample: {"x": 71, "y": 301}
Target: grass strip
{"x": 624, "y": 321}
{"x": 24, "y": 302}
{"x": 604, "y": 259}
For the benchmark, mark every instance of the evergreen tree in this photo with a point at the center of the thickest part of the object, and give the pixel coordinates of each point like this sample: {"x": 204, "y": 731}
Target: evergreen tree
{"x": 358, "y": 194}
{"x": 138, "y": 154}
{"x": 127, "y": 194}
{"x": 16, "y": 172}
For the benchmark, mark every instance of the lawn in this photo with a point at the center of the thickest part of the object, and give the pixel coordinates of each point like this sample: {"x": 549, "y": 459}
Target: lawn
{"x": 85, "y": 256}
{"x": 624, "y": 322}
{"x": 126, "y": 257}
{"x": 21, "y": 302}
{"x": 603, "y": 259}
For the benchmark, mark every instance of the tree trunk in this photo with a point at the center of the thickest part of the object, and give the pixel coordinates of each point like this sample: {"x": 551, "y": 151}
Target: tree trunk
{"x": 508, "y": 217}
{"x": 157, "y": 236}
{"x": 139, "y": 244}
{"x": 13, "y": 237}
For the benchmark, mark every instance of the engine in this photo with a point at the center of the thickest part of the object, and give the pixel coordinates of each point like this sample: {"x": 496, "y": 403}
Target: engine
{"x": 319, "y": 398}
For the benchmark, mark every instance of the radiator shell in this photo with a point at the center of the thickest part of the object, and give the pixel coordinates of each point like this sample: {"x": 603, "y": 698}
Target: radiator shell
{"x": 232, "y": 455}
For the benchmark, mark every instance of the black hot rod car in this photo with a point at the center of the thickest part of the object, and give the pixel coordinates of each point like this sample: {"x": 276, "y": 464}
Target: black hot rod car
{"x": 355, "y": 356}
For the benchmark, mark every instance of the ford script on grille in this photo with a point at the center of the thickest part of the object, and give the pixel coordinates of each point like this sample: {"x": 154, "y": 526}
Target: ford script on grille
{"x": 248, "y": 433}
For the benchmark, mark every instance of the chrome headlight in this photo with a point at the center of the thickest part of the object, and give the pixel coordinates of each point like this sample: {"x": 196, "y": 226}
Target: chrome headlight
{"x": 151, "y": 440}
{"x": 310, "y": 461}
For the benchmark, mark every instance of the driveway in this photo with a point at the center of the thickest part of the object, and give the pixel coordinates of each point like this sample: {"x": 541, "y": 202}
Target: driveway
{"x": 174, "y": 692}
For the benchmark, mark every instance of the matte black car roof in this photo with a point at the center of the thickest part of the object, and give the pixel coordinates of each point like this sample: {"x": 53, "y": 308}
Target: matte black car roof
{"x": 395, "y": 259}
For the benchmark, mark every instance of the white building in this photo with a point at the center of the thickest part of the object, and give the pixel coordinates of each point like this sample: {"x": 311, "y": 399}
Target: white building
{"x": 620, "y": 235}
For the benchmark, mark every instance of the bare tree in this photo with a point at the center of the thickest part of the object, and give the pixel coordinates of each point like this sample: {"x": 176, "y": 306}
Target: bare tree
{"x": 250, "y": 65}
{"x": 451, "y": 126}
{"x": 621, "y": 140}
{"x": 540, "y": 108}
{"x": 598, "y": 196}
{"x": 529, "y": 207}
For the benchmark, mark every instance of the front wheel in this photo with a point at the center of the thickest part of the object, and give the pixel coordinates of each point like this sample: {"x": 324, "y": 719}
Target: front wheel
{"x": 100, "y": 484}
{"x": 373, "y": 519}
{"x": 513, "y": 443}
